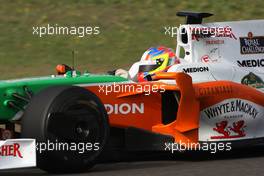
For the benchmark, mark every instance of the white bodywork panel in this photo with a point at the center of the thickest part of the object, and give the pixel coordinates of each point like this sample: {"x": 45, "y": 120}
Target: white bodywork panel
{"x": 230, "y": 54}
{"x": 17, "y": 153}
{"x": 235, "y": 54}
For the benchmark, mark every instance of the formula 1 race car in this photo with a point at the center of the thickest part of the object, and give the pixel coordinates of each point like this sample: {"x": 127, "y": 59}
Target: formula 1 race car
{"x": 215, "y": 94}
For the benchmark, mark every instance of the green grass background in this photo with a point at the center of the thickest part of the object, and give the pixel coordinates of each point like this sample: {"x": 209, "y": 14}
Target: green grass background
{"x": 127, "y": 27}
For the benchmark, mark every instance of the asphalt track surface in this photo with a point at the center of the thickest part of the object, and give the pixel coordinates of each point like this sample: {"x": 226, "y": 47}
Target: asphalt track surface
{"x": 248, "y": 162}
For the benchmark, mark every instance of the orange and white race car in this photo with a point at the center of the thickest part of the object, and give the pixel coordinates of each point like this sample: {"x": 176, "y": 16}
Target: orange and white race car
{"x": 214, "y": 94}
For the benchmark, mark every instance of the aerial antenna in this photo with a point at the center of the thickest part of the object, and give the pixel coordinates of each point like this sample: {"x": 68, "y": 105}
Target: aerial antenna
{"x": 73, "y": 59}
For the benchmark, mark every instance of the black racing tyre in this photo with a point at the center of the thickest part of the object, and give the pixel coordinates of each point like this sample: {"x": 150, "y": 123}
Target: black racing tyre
{"x": 71, "y": 117}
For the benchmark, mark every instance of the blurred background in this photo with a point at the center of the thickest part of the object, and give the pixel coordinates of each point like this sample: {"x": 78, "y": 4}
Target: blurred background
{"x": 127, "y": 29}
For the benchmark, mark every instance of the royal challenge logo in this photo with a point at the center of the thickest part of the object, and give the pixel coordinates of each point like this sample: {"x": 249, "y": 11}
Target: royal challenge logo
{"x": 251, "y": 44}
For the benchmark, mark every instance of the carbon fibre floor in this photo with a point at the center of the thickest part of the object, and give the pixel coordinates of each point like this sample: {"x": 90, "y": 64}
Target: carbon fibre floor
{"x": 246, "y": 162}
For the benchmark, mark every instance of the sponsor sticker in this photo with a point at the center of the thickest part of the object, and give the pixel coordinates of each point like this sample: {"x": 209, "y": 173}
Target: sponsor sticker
{"x": 214, "y": 90}
{"x": 224, "y": 129}
{"x": 214, "y": 42}
{"x": 251, "y": 63}
{"x": 251, "y": 44}
{"x": 211, "y": 32}
{"x": 125, "y": 108}
{"x": 17, "y": 153}
{"x": 231, "y": 119}
{"x": 11, "y": 150}
{"x": 207, "y": 59}
{"x": 252, "y": 80}
{"x": 196, "y": 69}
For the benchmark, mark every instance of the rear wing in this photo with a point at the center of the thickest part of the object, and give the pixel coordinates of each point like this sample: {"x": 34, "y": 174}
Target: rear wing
{"x": 193, "y": 18}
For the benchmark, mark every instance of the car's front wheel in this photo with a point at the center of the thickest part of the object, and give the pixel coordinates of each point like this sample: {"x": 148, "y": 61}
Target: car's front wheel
{"x": 70, "y": 125}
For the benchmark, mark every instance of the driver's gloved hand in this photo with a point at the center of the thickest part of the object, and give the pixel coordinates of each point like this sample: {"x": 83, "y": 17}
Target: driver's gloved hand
{"x": 119, "y": 72}
{"x": 149, "y": 77}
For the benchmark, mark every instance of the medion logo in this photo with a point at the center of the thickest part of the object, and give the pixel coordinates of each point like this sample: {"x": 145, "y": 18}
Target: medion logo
{"x": 251, "y": 63}
{"x": 196, "y": 69}
{"x": 125, "y": 108}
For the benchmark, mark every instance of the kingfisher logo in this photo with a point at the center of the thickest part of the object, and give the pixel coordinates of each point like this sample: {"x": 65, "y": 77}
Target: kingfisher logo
{"x": 125, "y": 108}
{"x": 10, "y": 150}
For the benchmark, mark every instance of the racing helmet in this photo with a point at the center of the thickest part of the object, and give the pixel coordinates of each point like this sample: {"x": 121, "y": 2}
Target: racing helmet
{"x": 155, "y": 59}
{"x": 62, "y": 69}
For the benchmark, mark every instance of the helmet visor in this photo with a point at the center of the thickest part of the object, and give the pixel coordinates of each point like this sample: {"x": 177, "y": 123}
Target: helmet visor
{"x": 148, "y": 68}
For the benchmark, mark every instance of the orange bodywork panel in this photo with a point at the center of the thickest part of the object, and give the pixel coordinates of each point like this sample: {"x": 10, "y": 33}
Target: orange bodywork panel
{"x": 131, "y": 109}
{"x": 135, "y": 108}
